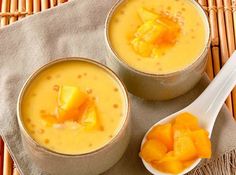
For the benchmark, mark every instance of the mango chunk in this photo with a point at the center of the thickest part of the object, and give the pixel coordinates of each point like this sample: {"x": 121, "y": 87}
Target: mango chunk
{"x": 169, "y": 164}
{"x": 146, "y": 15}
{"x": 156, "y": 33}
{"x": 188, "y": 163}
{"x": 162, "y": 133}
{"x": 186, "y": 121}
{"x": 202, "y": 143}
{"x": 184, "y": 148}
{"x": 70, "y": 97}
{"x": 141, "y": 47}
{"x": 150, "y": 31}
{"x": 90, "y": 118}
{"x": 153, "y": 150}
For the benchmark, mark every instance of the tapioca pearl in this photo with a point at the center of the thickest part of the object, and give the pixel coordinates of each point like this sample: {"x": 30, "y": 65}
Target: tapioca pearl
{"x": 28, "y": 120}
{"x": 169, "y": 8}
{"x": 110, "y": 136}
{"x": 89, "y": 91}
{"x": 102, "y": 128}
{"x": 33, "y": 125}
{"x": 179, "y": 13}
{"x": 42, "y": 111}
{"x": 116, "y": 20}
{"x": 41, "y": 131}
{"x": 58, "y": 76}
{"x": 32, "y": 132}
{"x": 159, "y": 69}
{"x": 49, "y": 77}
{"x": 34, "y": 94}
{"x": 115, "y": 105}
{"x": 85, "y": 74}
{"x": 94, "y": 98}
{"x": 115, "y": 89}
{"x": 46, "y": 141}
{"x": 90, "y": 145}
{"x": 193, "y": 37}
{"x": 79, "y": 76}
{"x": 183, "y": 9}
{"x": 56, "y": 87}
{"x": 112, "y": 120}
{"x": 122, "y": 12}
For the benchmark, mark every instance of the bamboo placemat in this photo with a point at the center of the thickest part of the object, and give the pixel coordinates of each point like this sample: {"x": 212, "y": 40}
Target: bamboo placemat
{"x": 222, "y": 17}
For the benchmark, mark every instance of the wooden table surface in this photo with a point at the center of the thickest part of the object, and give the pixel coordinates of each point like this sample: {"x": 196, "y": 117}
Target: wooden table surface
{"x": 222, "y": 18}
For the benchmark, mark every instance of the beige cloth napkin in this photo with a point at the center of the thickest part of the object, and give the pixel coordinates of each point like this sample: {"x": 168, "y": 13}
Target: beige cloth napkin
{"x": 77, "y": 29}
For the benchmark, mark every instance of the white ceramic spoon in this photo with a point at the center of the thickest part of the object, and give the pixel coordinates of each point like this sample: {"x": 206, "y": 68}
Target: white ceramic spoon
{"x": 206, "y": 107}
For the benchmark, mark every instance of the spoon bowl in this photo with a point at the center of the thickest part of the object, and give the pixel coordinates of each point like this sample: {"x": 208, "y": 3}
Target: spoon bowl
{"x": 206, "y": 107}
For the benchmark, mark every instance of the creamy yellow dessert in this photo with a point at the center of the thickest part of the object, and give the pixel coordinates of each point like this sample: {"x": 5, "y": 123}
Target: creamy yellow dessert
{"x": 73, "y": 107}
{"x": 158, "y": 36}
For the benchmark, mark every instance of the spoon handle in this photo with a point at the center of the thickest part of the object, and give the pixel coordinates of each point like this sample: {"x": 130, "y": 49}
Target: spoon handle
{"x": 209, "y": 103}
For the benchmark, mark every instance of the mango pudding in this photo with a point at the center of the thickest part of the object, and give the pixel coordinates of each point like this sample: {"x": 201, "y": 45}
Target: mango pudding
{"x": 158, "y": 36}
{"x": 174, "y": 146}
{"x": 73, "y": 107}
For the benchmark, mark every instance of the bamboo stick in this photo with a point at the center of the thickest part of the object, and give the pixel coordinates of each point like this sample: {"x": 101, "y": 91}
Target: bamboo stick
{"x": 216, "y": 59}
{"x": 234, "y": 16}
{"x": 213, "y": 23}
{"x": 13, "y": 14}
{"x": 209, "y": 68}
{"x": 53, "y": 3}
{"x": 21, "y": 7}
{"x": 214, "y": 36}
{"x": 29, "y": 7}
{"x": 12, "y": 10}
{"x": 223, "y": 43}
{"x": 8, "y": 163}
{"x": 230, "y": 40}
{"x": 44, "y": 4}
{"x": 1, "y": 155}
{"x": 5, "y": 8}
{"x": 229, "y": 26}
{"x": 36, "y": 6}
{"x": 234, "y": 22}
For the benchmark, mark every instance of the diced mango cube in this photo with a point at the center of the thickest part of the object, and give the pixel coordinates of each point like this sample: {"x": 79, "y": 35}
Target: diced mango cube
{"x": 70, "y": 115}
{"x": 90, "y": 118}
{"x": 70, "y": 97}
{"x": 184, "y": 148}
{"x": 153, "y": 150}
{"x": 162, "y": 133}
{"x": 188, "y": 163}
{"x": 169, "y": 164}
{"x": 146, "y": 15}
{"x": 186, "y": 121}
{"x": 141, "y": 47}
{"x": 202, "y": 143}
{"x": 150, "y": 31}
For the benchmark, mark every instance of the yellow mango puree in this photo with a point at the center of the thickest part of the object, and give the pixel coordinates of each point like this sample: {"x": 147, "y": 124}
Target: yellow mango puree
{"x": 73, "y": 107}
{"x": 158, "y": 36}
